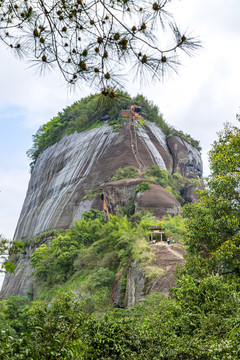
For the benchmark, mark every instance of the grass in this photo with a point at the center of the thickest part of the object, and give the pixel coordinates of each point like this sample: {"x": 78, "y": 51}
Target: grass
{"x": 154, "y": 272}
{"x": 143, "y": 253}
{"x": 129, "y": 172}
{"x": 95, "y": 126}
{"x": 41, "y": 238}
{"x": 91, "y": 194}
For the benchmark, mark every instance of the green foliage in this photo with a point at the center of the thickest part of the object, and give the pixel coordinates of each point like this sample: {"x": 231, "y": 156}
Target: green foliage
{"x": 129, "y": 208}
{"x": 111, "y": 260}
{"x": 174, "y": 227}
{"x": 41, "y": 238}
{"x": 225, "y": 153}
{"x": 173, "y": 183}
{"x": 53, "y": 331}
{"x": 144, "y": 255}
{"x": 94, "y": 214}
{"x": 92, "y": 251}
{"x": 16, "y": 312}
{"x": 91, "y": 194}
{"x": 54, "y": 328}
{"x": 154, "y": 173}
{"x": 213, "y": 224}
{"x": 142, "y": 121}
{"x": 151, "y": 112}
{"x": 200, "y": 322}
{"x": 8, "y": 248}
{"x": 54, "y": 264}
{"x": 211, "y": 294}
{"x": 129, "y": 172}
{"x": 186, "y": 137}
{"x": 82, "y": 115}
{"x": 103, "y": 277}
{"x": 144, "y": 186}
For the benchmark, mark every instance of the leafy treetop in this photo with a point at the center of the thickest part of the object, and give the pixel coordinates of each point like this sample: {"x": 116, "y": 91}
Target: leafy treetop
{"x": 8, "y": 248}
{"x": 213, "y": 224}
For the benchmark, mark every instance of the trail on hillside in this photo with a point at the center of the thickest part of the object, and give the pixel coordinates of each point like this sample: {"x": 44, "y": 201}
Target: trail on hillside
{"x": 169, "y": 247}
{"x": 134, "y": 146}
{"x": 166, "y": 258}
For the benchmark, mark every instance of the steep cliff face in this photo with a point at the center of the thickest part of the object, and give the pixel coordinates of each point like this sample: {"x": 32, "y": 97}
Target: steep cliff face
{"x": 186, "y": 159}
{"x": 21, "y": 282}
{"x": 65, "y": 173}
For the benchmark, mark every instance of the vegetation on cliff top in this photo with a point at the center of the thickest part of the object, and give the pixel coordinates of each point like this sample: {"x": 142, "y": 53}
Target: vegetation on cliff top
{"x": 90, "y": 112}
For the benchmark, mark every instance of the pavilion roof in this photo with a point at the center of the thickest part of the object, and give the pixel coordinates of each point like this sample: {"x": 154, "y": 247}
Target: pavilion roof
{"x": 155, "y": 228}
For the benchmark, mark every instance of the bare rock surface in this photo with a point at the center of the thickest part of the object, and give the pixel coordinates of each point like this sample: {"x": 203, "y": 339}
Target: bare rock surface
{"x": 65, "y": 171}
{"x": 158, "y": 201}
{"x": 186, "y": 158}
{"x": 167, "y": 258}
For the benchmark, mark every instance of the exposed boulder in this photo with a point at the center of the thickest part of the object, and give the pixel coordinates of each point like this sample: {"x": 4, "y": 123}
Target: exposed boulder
{"x": 186, "y": 158}
{"x": 158, "y": 201}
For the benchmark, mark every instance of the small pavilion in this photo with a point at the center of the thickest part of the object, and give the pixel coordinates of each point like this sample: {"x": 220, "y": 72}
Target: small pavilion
{"x": 156, "y": 230}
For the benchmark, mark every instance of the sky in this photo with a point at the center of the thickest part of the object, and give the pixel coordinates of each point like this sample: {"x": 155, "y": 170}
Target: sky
{"x": 198, "y": 101}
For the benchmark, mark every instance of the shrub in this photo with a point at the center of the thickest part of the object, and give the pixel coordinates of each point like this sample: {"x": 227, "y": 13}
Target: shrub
{"x": 16, "y": 312}
{"x": 87, "y": 258}
{"x": 111, "y": 260}
{"x": 144, "y": 186}
{"x": 129, "y": 172}
{"x": 103, "y": 277}
{"x": 94, "y": 214}
{"x": 161, "y": 176}
{"x": 41, "y": 238}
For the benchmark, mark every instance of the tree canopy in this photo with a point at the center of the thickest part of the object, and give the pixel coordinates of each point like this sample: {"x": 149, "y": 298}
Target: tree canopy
{"x": 213, "y": 224}
{"x": 8, "y": 248}
{"x": 94, "y": 41}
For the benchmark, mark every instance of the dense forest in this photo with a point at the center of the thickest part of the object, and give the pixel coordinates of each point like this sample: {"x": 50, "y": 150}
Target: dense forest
{"x": 72, "y": 315}
{"x": 90, "y": 112}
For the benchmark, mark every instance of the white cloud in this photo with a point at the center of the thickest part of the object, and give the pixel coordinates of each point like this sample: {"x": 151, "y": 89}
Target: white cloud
{"x": 13, "y": 190}
{"x": 40, "y": 97}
